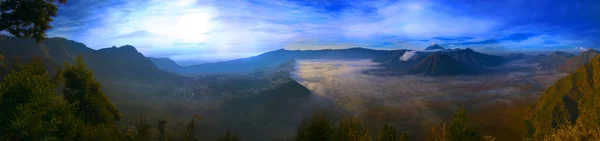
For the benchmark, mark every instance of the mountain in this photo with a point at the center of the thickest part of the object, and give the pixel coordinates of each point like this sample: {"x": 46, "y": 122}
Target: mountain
{"x": 474, "y": 59}
{"x": 434, "y": 47}
{"x": 110, "y": 65}
{"x": 274, "y": 58}
{"x": 516, "y": 56}
{"x": 440, "y": 65}
{"x": 165, "y": 64}
{"x": 390, "y": 56}
{"x": 552, "y": 61}
{"x": 575, "y": 62}
{"x": 572, "y": 100}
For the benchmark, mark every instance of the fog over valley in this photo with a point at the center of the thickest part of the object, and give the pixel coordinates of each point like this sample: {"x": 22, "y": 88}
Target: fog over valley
{"x": 419, "y": 101}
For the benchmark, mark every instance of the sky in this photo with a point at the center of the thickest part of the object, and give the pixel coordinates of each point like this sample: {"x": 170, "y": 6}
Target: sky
{"x": 193, "y": 31}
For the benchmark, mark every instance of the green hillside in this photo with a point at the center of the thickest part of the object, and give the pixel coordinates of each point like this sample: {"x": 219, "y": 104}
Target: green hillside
{"x": 572, "y": 100}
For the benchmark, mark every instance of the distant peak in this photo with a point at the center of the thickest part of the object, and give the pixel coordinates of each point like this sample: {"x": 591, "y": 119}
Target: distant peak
{"x": 560, "y": 53}
{"x": 591, "y": 50}
{"x": 125, "y": 48}
{"x": 434, "y": 47}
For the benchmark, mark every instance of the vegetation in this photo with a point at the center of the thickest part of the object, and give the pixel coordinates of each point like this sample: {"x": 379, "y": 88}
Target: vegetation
{"x": 571, "y": 101}
{"x": 388, "y": 133}
{"x": 85, "y": 93}
{"x": 28, "y": 18}
{"x": 458, "y": 130}
{"x": 31, "y": 110}
{"x": 229, "y": 136}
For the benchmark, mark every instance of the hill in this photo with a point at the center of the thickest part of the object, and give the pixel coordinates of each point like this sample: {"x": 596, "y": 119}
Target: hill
{"x": 440, "y": 65}
{"x": 575, "y": 62}
{"x": 572, "y": 100}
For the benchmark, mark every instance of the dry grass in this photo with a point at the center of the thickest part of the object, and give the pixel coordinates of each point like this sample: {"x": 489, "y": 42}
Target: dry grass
{"x": 574, "y": 133}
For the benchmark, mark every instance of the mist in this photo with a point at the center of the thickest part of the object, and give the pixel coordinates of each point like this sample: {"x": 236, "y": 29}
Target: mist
{"x": 415, "y": 103}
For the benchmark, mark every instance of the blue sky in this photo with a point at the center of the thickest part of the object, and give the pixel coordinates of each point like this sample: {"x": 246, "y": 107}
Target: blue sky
{"x": 215, "y": 30}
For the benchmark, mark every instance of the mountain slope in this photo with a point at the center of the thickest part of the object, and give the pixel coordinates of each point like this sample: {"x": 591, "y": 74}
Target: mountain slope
{"x": 434, "y": 47}
{"x": 474, "y": 59}
{"x": 109, "y": 64}
{"x": 552, "y": 61}
{"x": 575, "y": 62}
{"x": 440, "y": 65}
{"x": 573, "y": 99}
{"x": 165, "y": 64}
{"x": 274, "y": 58}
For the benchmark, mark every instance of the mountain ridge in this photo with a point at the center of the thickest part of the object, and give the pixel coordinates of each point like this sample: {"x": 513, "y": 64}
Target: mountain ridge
{"x": 571, "y": 100}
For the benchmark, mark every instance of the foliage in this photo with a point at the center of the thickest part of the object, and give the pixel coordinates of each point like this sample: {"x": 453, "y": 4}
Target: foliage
{"x": 143, "y": 130}
{"x": 229, "y": 136}
{"x": 318, "y": 128}
{"x": 388, "y": 133}
{"x": 84, "y": 91}
{"x": 351, "y": 129}
{"x": 162, "y": 132}
{"x": 31, "y": 110}
{"x": 190, "y": 131}
{"x": 404, "y": 137}
{"x": 28, "y": 18}
{"x": 459, "y": 131}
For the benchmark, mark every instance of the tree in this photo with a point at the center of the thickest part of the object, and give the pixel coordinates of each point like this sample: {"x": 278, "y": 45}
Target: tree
{"x": 404, "y": 137}
{"x": 28, "y": 18}
{"x": 318, "y": 128}
{"x": 387, "y": 133}
{"x": 162, "y": 132}
{"x": 229, "y": 136}
{"x": 459, "y": 131}
{"x": 30, "y": 108}
{"x": 351, "y": 129}
{"x": 143, "y": 130}
{"x": 190, "y": 131}
{"x": 85, "y": 92}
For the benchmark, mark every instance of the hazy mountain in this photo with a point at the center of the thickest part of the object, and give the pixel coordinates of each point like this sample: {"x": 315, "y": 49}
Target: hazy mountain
{"x": 439, "y": 64}
{"x": 474, "y": 59}
{"x": 399, "y": 62}
{"x": 390, "y": 56}
{"x": 516, "y": 56}
{"x": 274, "y": 58}
{"x": 552, "y": 61}
{"x": 573, "y": 99}
{"x": 575, "y": 62}
{"x": 434, "y": 47}
{"x": 165, "y": 64}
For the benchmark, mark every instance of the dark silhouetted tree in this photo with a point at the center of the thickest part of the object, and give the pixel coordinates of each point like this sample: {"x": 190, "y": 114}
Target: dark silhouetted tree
{"x": 30, "y": 108}
{"x": 318, "y": 128}
{"x": 229, "y": 136}
{"x": 458, "y": 129}
{"x": 143, "y": 130}
{"x": 351, "y": 129}
{"x": 85, "y": 92}
{"x": 404, "y": 137}
{"x": 162, "y": 132}
{"x": 28, "y": 18}
{"x": 387, "y": 133}
{"x": 190, "y": 131}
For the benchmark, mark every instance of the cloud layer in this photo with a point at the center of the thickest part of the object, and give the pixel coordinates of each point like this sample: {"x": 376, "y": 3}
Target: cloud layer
{"x": 220, "y": 30}
{"x": 415, "y": 103}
